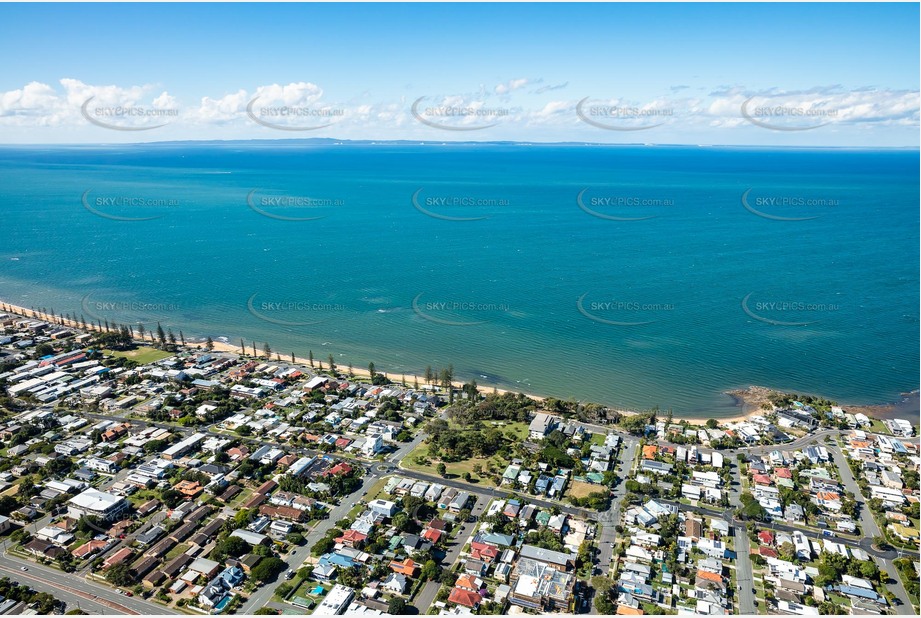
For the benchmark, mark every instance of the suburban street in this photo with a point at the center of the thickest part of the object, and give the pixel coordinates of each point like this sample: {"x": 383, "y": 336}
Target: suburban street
{"x": 392, "y": 464}
{"x": 744, "y": 576}
{"x": 464, "y": 535}
{"x": 610, "y": 518}
{"x": 870, "y": 529}
{"x": 73, "y": 589}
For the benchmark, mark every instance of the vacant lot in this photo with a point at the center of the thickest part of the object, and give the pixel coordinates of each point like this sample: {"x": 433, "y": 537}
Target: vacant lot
{"x": 143, "y": 355}
{"x": 578, "y": 489}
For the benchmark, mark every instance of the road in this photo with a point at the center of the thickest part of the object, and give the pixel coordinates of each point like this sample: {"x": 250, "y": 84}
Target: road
{"x": 744, "y": 573}
{"x": 425, "y": 598}
{"x": 73, "y": 589}
{"x": 611, "y": 517}
{"x": 870, "y": 529}
{"x": 295, "y": 559}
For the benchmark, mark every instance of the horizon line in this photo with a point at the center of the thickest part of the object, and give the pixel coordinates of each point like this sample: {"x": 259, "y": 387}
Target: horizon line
{"x": 422, "y": 142}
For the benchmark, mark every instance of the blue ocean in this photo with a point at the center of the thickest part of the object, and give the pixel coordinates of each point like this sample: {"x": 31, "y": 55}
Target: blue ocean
{"x": 634, "y": 276}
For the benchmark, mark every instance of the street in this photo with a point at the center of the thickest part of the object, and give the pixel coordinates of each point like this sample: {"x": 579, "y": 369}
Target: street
{"x": 74, "y": 589}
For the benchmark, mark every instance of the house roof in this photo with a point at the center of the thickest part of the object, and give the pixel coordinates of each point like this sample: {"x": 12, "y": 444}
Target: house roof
{"x": 407, "y": 566}
{"x": 467, "y": 581}
{"x": 464, "y": 597}
{"x": 768, "y": 552}
{"x": 713, "y": 577}
{"x": 431, "y": 534}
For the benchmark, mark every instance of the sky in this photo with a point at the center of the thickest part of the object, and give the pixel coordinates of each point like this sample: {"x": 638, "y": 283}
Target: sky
{"x": 820, "y": 75}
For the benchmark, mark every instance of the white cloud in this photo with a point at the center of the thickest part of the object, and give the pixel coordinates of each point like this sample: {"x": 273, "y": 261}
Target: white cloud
{"x": 511, "y": 85}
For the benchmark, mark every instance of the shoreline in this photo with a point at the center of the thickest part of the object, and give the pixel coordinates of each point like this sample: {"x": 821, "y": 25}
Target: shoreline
{"x": 749, "y": 399}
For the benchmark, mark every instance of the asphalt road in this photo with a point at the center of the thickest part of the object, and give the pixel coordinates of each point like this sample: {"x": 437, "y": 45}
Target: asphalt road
{"x": 73, "y": 589}
{"x": 295, "y": 559}
{"x": 425, "y": 598}
{"x": 870, "y": 529}
{"x": 745, "y": 598}
{"x": 611, "y": 517}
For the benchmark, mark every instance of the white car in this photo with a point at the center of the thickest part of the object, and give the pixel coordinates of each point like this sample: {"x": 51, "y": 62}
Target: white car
{"x": 23, "y": 568}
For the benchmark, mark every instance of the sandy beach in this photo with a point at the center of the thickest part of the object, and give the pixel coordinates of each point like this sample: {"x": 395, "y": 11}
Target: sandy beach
{"x": 406, "y": 379}
{"x": 748, "y": 399}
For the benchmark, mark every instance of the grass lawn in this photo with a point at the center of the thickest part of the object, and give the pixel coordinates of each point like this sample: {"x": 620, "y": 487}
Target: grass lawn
{"x": 241, "y": 497}
{"x": 839, "y": 600}
{"x": 455, "y": 469}
{"x": 598, "y": 439}
{"x": 876, "y": 426}
{"x": 511, "y": 429}
{"x": 377, "y": 490}
{"x": 143, "y": 354}
{"x": 578, "y": 489}
{"x": 179, "y": 549}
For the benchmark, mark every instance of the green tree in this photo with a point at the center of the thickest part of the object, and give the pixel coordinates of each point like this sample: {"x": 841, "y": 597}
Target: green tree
{"x": 295, "y": 538}
{"x": 268, "y": 569}
{"x": 119, "y": 575}
{"x": 323, "y": 546}
{"x": 396, "y": 606}
{"x": 401, "y": 521}
{"x": 442, "y": 469}
{"x": 431, "y": 570}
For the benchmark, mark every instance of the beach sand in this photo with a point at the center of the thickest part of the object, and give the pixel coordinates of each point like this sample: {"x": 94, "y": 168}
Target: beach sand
{"x": 748, "y": 399}
{"x": 221, "y": 346}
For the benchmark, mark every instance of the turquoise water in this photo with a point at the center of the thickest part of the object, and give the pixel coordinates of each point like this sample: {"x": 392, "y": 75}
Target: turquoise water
{"x": 564, "y": 297}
